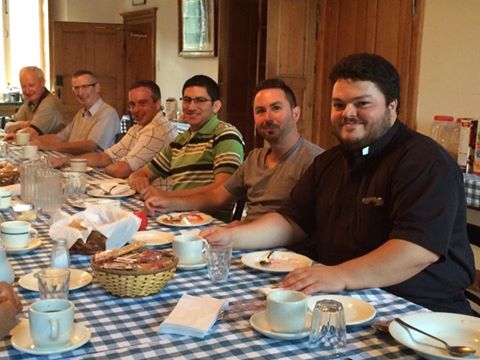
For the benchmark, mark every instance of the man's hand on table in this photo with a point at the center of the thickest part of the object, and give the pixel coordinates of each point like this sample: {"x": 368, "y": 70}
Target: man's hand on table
{"x": 138, "y": 182}
{"x": 159, "y": 203}
{"x": 315, "y": 278}
{"x": 217, "y": 235}
{"x": 59, "y": 162}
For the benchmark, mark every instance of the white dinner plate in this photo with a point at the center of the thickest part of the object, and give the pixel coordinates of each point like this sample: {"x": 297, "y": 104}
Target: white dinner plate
{"x": 82, "y": 203}
{"x": 455, "y": 329}
{"x": 280, "y": 261}
{"x": 22, "y": 341}
{"x": 197, "y": 266}
{"x": 69, "y": 169}
{"x": 78, "y": 279}
{"x": 260, "y": 323}
{"x": 356, "y": 310}
{"x": 32, "y": 245}
{"x": 152, "y": 238}
{"x": 166, "y": 219}
{"x": 101, "y": 194}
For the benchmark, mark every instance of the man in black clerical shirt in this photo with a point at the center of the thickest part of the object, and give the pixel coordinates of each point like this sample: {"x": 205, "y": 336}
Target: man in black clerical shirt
{"x": 385, "y": 208}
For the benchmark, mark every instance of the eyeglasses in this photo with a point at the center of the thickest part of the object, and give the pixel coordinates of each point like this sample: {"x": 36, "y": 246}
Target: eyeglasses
{"x": 83, "y": 87}
{"x": 197, "y": 101}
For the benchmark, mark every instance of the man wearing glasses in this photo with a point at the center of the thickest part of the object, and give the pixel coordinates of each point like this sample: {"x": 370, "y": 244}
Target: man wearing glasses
{"x": 93, "y": 127}
{"x": 201, "y": 158}
{"x": 150, "y": 134}
{"x": 42, "y": 112}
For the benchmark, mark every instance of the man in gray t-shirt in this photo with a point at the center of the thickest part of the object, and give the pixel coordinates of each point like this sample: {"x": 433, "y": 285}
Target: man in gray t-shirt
{"x": 268, "y": 174}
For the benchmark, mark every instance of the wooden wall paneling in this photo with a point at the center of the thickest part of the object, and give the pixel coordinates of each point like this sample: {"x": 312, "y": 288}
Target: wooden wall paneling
{"x": 291, "y": 52}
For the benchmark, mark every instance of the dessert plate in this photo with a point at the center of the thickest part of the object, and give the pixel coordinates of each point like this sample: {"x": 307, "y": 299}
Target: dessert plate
{"x": 78, "y": 279}
{"x": 101, "y": 194}
{"x": 22, "y": 341}
{"x": 185, "y": 219}
{"x": 356, "y": 310}
{"x": 197, "y": 266}
{"x": 260, "y": 323}
{"x": 32, "y": 245}
{"x": 280, "y": 261}
{"x": 455, "y": 329}
{"x": 82, "y": 203}
{"x": 153, "y": 238}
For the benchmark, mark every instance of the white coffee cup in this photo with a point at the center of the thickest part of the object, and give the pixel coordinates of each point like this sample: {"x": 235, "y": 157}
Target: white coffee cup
{"x": 17, "y": 234}
{"x": 51, "y": 322}
{"x": 79, "y": 165}
{"x": 188, "y": 249}
{"x": 5, "y": 199}
{"x": 287, "y": 311}
{"x": 22, "y": 138}
{"x": 30, "y": 151}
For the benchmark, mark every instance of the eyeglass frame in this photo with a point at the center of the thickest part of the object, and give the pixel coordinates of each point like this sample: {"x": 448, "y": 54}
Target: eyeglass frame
{"x": 196, "y": 100}
{"x": 83, "y": 87}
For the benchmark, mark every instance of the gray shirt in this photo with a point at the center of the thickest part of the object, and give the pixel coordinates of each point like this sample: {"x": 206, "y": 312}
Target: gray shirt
{"x": 265, "y": 189}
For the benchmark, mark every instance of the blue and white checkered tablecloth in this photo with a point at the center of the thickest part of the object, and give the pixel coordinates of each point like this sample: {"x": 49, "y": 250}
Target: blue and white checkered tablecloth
{"x": 472, "y": 190}
{"x": 127, "y": 327}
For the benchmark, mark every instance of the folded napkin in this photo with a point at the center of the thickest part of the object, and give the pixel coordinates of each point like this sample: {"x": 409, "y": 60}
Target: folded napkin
{"x": 192, "y": 316}
{"x": 267, "y": 290}
{"x": 114, "y": 188}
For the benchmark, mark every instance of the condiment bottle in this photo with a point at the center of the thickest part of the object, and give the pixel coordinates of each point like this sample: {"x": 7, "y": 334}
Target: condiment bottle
{"x": 60, "y": 256}
{"x": 6, "y": 270}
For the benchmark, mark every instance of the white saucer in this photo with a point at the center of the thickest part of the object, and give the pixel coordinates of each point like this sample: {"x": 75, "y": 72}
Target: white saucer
{"x": 32, "y": 245}
{"x": 197, "y": 266}
{"x": 260, "y": 323}
{"x": 78, "y": 279}
{"x": 356, "y": 310}
{"x": 82, "y": 204}
{"x": 69, "y": 169}
{"x": 101, "y": 194}
{"x": 22, "y": 341}
{"x": 153, "y": 238}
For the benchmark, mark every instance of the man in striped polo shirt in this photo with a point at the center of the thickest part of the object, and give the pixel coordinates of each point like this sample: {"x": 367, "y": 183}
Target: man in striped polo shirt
{"x": 201, "y": 158}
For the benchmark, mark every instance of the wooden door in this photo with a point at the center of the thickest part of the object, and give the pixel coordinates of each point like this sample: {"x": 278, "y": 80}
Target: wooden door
{"x": 291, "y": 43}
{"x": 390, "y": 28}
{"x": 91, "y": 46}
{"x": 140, "y": 30}
{"x": 241, "y": 58}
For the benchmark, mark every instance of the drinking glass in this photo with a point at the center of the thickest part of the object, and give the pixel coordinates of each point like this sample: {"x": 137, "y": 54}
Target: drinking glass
{"x": 53, "y": 283}
{"x": 75, "y": 186}
{"x": 328, "y": 331}
{"x": 218, "y": 261}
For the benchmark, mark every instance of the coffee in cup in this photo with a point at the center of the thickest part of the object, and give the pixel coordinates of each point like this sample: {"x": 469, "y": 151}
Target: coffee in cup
{"x": 287, "y": 311}
{"x": 78, "y": 165}
{"x": 16, "y": 234}
{"x": 188, "y": 249}
{"x": 5, "y": 199}
{"x": 51, "y": 322}
{"x": 22, "y": 138}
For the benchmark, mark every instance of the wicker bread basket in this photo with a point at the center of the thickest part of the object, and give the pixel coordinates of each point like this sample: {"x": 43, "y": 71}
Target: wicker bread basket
{"x": 127, "y": 283}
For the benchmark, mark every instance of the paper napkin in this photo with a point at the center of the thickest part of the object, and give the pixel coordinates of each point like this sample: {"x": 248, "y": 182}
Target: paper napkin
{"x": 192, "y": 316}
{"x": 114, "y": 188}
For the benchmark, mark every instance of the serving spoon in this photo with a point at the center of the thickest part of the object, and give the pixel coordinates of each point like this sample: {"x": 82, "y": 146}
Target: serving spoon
{"x": 459, "y": 351}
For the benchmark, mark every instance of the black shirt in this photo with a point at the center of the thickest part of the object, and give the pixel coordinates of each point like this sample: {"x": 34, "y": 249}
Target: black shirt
{"x": 406, "y": 187}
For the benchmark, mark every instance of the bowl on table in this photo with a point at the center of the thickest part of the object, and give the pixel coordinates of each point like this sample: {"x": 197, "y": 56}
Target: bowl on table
{"x": 134, "y": 282}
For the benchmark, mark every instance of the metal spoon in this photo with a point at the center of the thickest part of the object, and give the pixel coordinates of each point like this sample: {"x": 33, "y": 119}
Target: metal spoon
{"x": 266, "y": 259}
{"x": 459, "y": 351}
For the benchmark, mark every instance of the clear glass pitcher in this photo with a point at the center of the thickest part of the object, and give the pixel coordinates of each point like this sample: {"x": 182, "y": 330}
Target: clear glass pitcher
{"x": 48, "y": 190}
{"x": 27, "y": 180}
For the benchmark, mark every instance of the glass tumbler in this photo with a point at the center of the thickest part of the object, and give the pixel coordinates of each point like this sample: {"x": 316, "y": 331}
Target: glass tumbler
{"x": 328, "y": 331}
{"x": 75, "y": 186}
{"x": 53, "y": 283}
{"x": 218, "y": 261}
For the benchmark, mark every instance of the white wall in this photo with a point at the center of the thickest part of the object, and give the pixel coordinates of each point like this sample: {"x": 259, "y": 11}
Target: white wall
{"x": 449, "y": 82}
{"x": 172, "y": 70}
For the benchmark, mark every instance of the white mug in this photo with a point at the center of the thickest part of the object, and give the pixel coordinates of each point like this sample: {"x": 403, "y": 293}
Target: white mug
{"x": 5, "y": 199}
{"x": 287, "y": 311}
{"x": 51, "y": 322}
{"x": 30, "y": 151}
{"x": 17, "y": 234}
{"x": 79, "y": 165}
{"x": 22, "y": 138}
{"x": 188, "y": 249}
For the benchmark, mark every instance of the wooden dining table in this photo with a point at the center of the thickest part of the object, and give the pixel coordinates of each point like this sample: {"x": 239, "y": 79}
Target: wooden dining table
{"x": 127, "y": 328}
